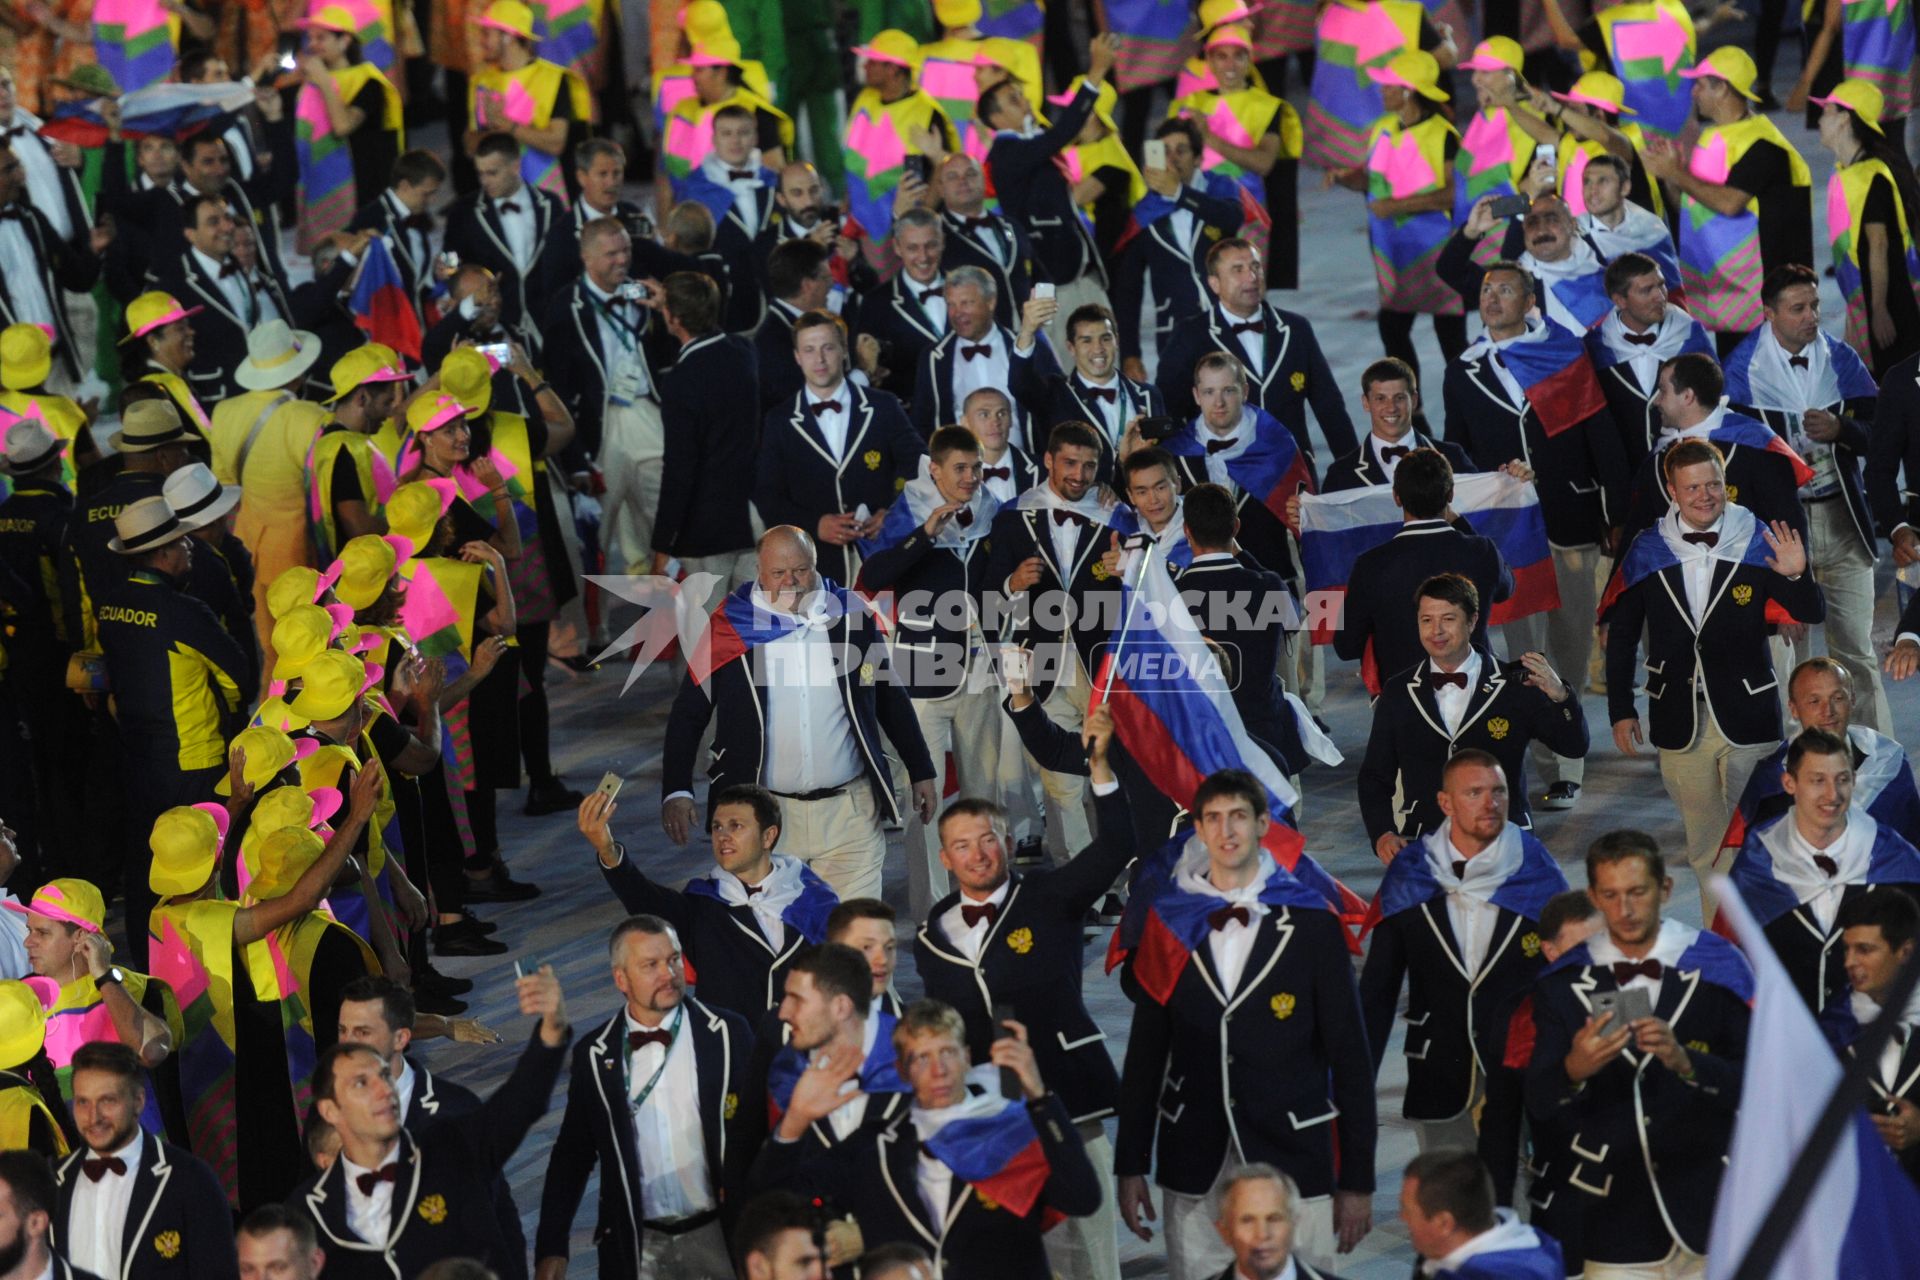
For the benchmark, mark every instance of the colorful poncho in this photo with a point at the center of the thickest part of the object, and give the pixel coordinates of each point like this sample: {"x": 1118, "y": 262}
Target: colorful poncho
{"x": 1494, "y": 155}
{"x": 1574, "y": 153}
{"x": 1847, "y": 193}
{"x": 1648, "y": 42}
{"x": 1353, "y": 35}
{"x": 191, "y": 949}
{"x": 1877, "y": 45}
{"x": 499, "y": 99}
{"x": 1720, "y": 254}
{"x": 879, "y": 138}
{"x": 328, "y": 194}
{"x": 1405, "y": 161}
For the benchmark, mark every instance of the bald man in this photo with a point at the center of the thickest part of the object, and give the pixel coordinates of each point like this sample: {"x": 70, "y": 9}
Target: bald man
{"x": 799, "y": 704}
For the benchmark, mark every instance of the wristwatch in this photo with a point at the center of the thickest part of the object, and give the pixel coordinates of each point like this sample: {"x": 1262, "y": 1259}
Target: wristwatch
{"x": 113, "y": 974}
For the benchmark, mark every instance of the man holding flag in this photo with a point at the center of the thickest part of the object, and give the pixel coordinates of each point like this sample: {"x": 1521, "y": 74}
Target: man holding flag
{"x": 1706, "y": 579}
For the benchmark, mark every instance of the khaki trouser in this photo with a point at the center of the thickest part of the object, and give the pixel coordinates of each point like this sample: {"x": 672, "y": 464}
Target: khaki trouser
{"x": 1195, "y": 1250}
{"x": 633, "y": 452}
{"x": 1089, "y": 1248}
{"x": 1565, "y": 635}
{"x": 1069, "y": 830}
{"x": 1681, "y": 1264}
{"x": 967, "y": 726}
{"x": 1705, "y": 781}
{"x": 840, "y": 837}
{"x": 1844, "y": 571}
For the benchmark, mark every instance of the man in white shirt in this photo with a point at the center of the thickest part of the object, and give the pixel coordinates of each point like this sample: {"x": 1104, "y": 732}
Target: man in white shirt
{"x": 123, "y": 1191}
{"x": 1447, "y": 1203}
{"x": 1878, "y": 930}
{"x": 734, "y": 163}
{"x": 1256, "y": 1222}
{"x": 1618, "y": 225}
{"x": 826, "y": 1014}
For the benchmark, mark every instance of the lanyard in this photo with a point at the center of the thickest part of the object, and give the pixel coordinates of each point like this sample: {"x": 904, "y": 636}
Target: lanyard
{"x": 624, "y": 330}
{"x": 646, "y": 1090}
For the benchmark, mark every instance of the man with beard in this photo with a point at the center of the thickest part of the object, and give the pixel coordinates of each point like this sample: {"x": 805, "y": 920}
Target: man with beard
{"x": 825, "y": 1016}
{"x": 1094, "y": 390}
{"x": 27, "y": 1202}
{"x": 1567, "y": 270}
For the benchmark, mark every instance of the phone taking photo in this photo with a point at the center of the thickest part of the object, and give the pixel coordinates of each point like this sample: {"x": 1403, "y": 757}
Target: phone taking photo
{"x": 610, "y": 784}
{"x": 1010, "y": 1086}
{"x": 1156, "y": 153}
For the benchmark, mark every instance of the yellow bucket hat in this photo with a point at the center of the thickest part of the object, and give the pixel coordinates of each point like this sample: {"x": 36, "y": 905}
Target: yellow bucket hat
{"x": 23, "y": 1023}
{"x": 328, "y": 686}
{"x": 268, "y": 751}
{"x": 276, "y": 864}
{"x": 467, "y": 376}
{"x": 365, "y": 567}
{"x": 26, "y": 356}
{"x": 414, "y": 509}
{"x": 186, "y": 846}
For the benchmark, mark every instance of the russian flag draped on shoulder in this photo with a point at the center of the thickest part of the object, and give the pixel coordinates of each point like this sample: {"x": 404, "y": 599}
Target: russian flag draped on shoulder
{"x": 1883, "y": 786}
{"x": 379, "y": 302}
{"x": 742, "y": 624}
{"x": 1552, "y": 368}
{"x": 880, "y": 1073}
{"x": 1742, "y": 541}
{"x": 918, "y": 500}
{"x": 1264, "y": 461}
{"x": 1769, "y": 894}
{"x": 804, "y": 899}
{"x": 1862, "y": 1217}
{"x": 1336, "y": 527}
{"x": 1759, "y": 375}
{"x": 992, "y": 1144}
{"x": 1524, "y": 876}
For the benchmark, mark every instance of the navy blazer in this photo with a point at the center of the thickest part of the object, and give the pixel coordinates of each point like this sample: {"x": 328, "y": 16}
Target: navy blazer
{"x": 1631, "y": 408}
{"x": 1068, "y": 400}
{"x": 932, "y": 637}
{"x": 219, "y": 335}
{"x": 437, "y": 1100}
{"x": 1032, "y": 958}
{"x": 934, "y": 404}
{"x": 1033, "y": 191}
{"x": 1223, "y": 592}
{"x": 1084, "y": 595}
{"x": 1257, "y": 1073}
{"x": 1357, "y": 468}
{"x": 1580, "y": 474}
{"x": 598, "y": 1129}
{"x": 474, "y": 231}
{"x": 1893, "y": 452}
{"x": 1740, "y": 680}
{"x": 1409, "y": 743}
{"x": 560, "y": 263}
{"x": 876, "y": 1179}
{"x": 798, "y": 480}
{"x": 1296, "y": 377}
{"x": 177, "y": 1224}
{"x": 738, "y": 969}
{"x": 743, "y": 304}
{"x": 874, "y": 699}
{"x": 969, "y": 246}
{"x": 576, "y": 364}
{"x": 892, "y": 313}
{"x": 780, "y": 376}
{"x": 161, "y": 212}
{"x": 1380, "y": 603}
{"x": 710, "y": 414}
{"x": 1644, "y": 1148}
{"x": 416, "y": 277}
{"x": 1176, "y": 268}
{"x": 770, "y": 1039}
{"x": 1758, "y": 479}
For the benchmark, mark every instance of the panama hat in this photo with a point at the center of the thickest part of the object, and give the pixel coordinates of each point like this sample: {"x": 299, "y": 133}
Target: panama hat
{"x": 277, "y": 354}
{"x": 197, "y": 496}
{"x": 144, "y": 525}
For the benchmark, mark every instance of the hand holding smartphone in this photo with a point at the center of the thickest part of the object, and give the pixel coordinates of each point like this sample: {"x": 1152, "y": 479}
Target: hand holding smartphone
{"x": 1010, "y": 1086}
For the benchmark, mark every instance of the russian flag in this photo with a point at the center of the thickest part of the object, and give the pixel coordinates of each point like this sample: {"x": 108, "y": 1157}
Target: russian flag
{"x": 1559, "y": 380}
{"x": 1862, "y": 1217}
{"x": 998, "y": 1150}
{"x": 1738, "y": 430}
{"x": 380, "y": 304}
{"x": 1175, "y": 714}
{"x": 163, "y": 110}
{"x": 1336, "y": 527}
{"x": 1741, "y": 537}
{"x": 1270, "y": 467}
{"x": 1883, "y": 787}
{"x": 805, "y": 915}
{"x": 740, "y": 626}
{"x": 880, "y": 1073}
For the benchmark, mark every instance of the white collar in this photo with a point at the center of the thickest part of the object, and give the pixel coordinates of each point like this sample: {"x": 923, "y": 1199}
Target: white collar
{"x": 1113, "y": 380}
{"x": 1469, "y": 666}
{"x": 816, "y": 396}
{"x": 1671, "y": 943}
{"x": 1407, "y": 441}
{"x": 354, "y": 1170}
{"x": 1699, "y": 430}
{"x": 130, "y": 1152}
{"x": 1192, "y": 873}
{"x": 1506, "y": 1235}
{"x": 209, "y": 267}
{"x": 406, "y": 1081}
{"x": 998, "y": 897}
{"x": 1486, "y": 871}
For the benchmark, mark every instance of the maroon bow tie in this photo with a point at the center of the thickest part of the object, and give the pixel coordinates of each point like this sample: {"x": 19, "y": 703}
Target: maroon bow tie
{"x": 1250, "y": 326}
{"x": 1394, "y": 451}
{"x": 1828, "y": 867}
{"x": 972, "y": 914}
{"x": 638, "y": 1040}
{"x": 1798, "y": 362}
{"x": 1219, "y": 446}
{"x": 1701, "y": 539}
{"x": 1220, "y": 917}
{"x": 981, "y": 223}
{"x": 1640, "y": 339}
{"x": 752, "y": 888}
{"x": 1458, "y": 679}
{"x": 385, "y": 1173}
{"x": 818, "y": 407}
{"x": 508, "y": 207}
{"x": 1062, "y": 516}
{"x": 964, "y": 516}
{"x": 417, "y": 222}
{"x": 1625, "y": 971}
{"x": 997, "y": 473}
{"x": 1109, "y": 394}
{"x": 928, "y": 295}
{"x": 98, "y": 1169}
{"x": 229, "y": 268}
{"x": 741, "y": 175}
{"x": 984, "y": 349}
{"x": 1459, "y": 868}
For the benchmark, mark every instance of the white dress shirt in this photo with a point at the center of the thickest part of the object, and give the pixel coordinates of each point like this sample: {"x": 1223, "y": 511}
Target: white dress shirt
{"x": 668, "y": 1142}
{"x": 1818, "y": 892}
{"x": 233, "y": 286}
{"x": 1696, "y": 565}
{"x": 1288, "y": 1272}
{"x": 1472, "y": 918}
{"x": 832, "y": 423}
{"x": 1253, "y": 342}
{"x": 989, "y": 370}
{"x": 846, "y": 1117}
{"x": 1113, "y": 413}
{"x": 1065, "y": 535}
{"x": 26, "y": 288}
{"x": 970, "y": 938}
{"x": 1003, "y": 488}
{"x": 1242, "y": 437}
{"x": 809, "y": 737}
{"x": 1230, "y": 945}
{"x": 746, "y": 191}
{"x": 370, "y": 1213}
{"x": 98, "y": 1217}
{"x": 1379, "y": 447}
{"x": 419, "y": 244}
{"x": 1451, "y": 700}
{"x": 618, "y": 324}
{"x": 517, "y": 226}
{"x": 46, "y": 186}
{"x": 932, "y": 298}
{"x": 403, "y": 1086}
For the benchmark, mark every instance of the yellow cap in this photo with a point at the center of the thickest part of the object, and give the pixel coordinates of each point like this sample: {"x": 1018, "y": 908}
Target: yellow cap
{"x": 704, "y": 20}
{"x": 326, "y": 767}
{"x": 1231, "y": 34}
{"x": 371, "y": 363}
{"x": 186, "y": 845}
{"x": 298, "y": 585}
{"x": 74, "y": 902}
{"x": 891, "y": 45}
{"x": 276, "y": 864}
{"x": 1858, "y": 96}
{"x": 23, "y": 1023}
{"x": 1599, "y": 89}
{"x": 366, "y": 567}
{"x": 1496, "y": 53}
{"x": 26, "y": 356}
{"x": 953, "y": 14}
{"x": 715, "y": 51}
{"x": 328, "y": 687}
{"x": 287, "y": 807}
{"x": 414, "y": 509}
{"x": 1732, "y": 64}
{"x": 152, "y": 311}
{"x": 1215, "y": 12}
{"x": 467, "y": 376}
{"x": 434, "y": 411}
{"x": 334, "y": 17}
{"x": 268, "y": 751}
{"x": 301, "y": 635}
{"x": 1413, "y": 70}
{"x": 510, "y": 16}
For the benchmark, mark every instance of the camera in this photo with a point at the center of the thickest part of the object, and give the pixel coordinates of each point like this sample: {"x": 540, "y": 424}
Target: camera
{"x": 632, "y": 291}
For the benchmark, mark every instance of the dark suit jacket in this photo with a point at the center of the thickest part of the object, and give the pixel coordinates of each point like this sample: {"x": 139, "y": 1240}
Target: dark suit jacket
{"x": 934, "y": 404}
{"x": 320, "y": 307}
{"x": 1357, "y": 468}
{"x": 892, "y": 313}
{"x": 1032, "y": 959}
{"x": 1069, "y": 400}
{"x": 932, "y": 630}
{"x": 219, "y": 333}
{"x": 1176, "y": 269}
{"x": 177, "y": 1223}
{"x": 733, "y": 240}
{"x": 1067, "y": 596}
{"x": 1759, "y": 480}
{"x": 1034, "y": 192}
{"x": 798, "y": 480}
{"x": 1893, "y": 453}
{"x": 1380, "y": 605}
{"x": 560, "y": 253}
{"x": 1740, "y": 680}
{"x": 162, "y": 211}
{"x": 1264, "y": 538}
{"x": 437, "y": 1100}
{"x": 64, "y": 265}
{"x": 1409, "y": 742}
{"x": 1235, "y": 605}
{"x": 780, "y": 376}
{"x": 598, "y": 1129}
{"x": 378, "y": 215}
{"x": 1842, "y": 1029}
{"x": 576, "y": 364}
{"x": 474, "y": 231}
{"x": 1296, "y": 376}
{"x": 709, "y": 405}
{"x": 1636, "y": 1114}
{"x": 970, "y": 246}
{"x": 875, "y": 702}
{"x": 770, "y": 1040}
{"x": 875, "y": 1178}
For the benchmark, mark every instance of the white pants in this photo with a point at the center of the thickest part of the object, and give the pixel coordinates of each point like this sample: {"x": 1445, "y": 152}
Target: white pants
{"x": 840, "y": 837}
{"x": 1195, "y": 1250}
{"x": 1845, "y": 573}
{"x": 1565, "y": 636}
{"x": 700, "y": 1254}
{"x": 966, "y": 725}
{"x": 633, "y": 452}
{"x": 1089, "y": 1248}
{"x": 732, "y": 567}
{"x": 1678, "y": 1265}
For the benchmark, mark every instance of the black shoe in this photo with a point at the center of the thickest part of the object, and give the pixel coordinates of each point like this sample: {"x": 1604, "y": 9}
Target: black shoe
{"x": 578, "y": 663}
{"x": 551, "y": 796}
{"x": 1561, "y": 795}
{"x": 468, "y": 920}
{"x": 1110, "y": 910}
{"x": 428, "y": 978}
{"x": 499, "y": 887}
{"x": 452, "y": 940}
{"x": 432, "y": 1002}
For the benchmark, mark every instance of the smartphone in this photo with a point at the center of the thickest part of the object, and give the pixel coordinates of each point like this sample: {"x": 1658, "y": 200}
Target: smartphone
{"x": 1625, "y": 1006}
{"x": 500, "y": 353}
{"x": 1157, "y": 429}
{"x": 1549, "y": 153}
{"x": 1016, "y": 664}
{"x": 610, "y": 784}
{"x": 1043, "y": 290}
{"x": 1511, "y": 207}
{"x": 286, "y": 62}
{"x": 450, "y": 260}
{"x": 1156, "y": 153}
{"x": 920, "y": 167}
{"x": 518, "y": 972}
{"x": 632, "y": 291}
{"x": 1010, "y": 1086}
